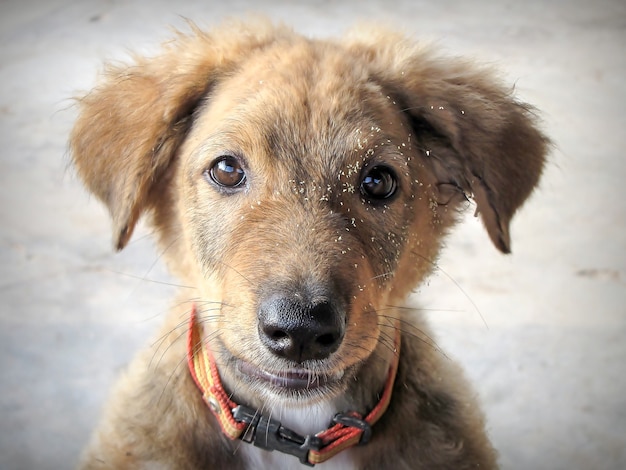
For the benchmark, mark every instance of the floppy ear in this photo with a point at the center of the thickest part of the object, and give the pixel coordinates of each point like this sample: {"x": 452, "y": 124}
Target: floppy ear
{"x": 130, "y": 126}
{"x": 480, "y": 142}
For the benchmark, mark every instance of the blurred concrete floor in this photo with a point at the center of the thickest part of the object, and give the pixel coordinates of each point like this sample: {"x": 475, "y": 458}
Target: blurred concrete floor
{"x": 541, "y": 333}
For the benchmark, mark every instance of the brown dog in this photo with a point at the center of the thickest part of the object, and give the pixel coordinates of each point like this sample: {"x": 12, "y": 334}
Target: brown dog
{"x": 303, "y": 188}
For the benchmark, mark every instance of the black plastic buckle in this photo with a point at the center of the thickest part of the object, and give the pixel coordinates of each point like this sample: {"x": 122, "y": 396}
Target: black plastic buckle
{"x": 354, "y": 422}
{"x": 268, "y": 434}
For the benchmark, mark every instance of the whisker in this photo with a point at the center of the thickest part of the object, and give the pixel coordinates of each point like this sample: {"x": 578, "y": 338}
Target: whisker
{"x": 439, "y": 268}
{"x": 358, "y": 346}
{"x": 422, "y": 309}
{"x": 152, "y": 266}
{"x": 152, "y": 281}
{"x": 407, "y": 327}
{"x": 182, "y": 361}
{"x": 223, "y": 263}
{"x": 388, "y": 273}
{"x": 172, "y": 343}
{"x": 182, "y": 324}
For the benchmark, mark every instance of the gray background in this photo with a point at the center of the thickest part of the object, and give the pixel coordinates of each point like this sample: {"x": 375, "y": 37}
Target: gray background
{"x": 541, "y": 333}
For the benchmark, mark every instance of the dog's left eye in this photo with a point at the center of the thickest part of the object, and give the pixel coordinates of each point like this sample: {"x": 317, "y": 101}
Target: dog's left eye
{"x": 379, "y": 183}
{"x": 227, "y": 172}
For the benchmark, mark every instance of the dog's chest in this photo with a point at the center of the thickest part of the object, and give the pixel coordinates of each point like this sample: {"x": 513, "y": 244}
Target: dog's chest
{"x": 261, "y": 459}
{"x": 304, "y": 421}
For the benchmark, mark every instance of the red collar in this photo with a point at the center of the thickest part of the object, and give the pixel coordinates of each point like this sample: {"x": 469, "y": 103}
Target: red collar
{"x": 240, "y": 422}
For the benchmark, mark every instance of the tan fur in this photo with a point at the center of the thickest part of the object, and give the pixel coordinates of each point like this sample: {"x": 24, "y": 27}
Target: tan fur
{"x": 307, "y": 119}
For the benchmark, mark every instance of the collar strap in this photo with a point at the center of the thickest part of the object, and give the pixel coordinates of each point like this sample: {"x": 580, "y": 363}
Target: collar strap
{"x": 240, "y": 422}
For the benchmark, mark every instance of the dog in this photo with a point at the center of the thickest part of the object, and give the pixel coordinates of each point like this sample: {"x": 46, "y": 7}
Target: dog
{"x": 303, "y": 188}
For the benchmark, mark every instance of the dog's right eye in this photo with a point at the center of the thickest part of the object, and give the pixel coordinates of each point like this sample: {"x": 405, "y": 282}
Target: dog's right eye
{"x": 227, "y": 172}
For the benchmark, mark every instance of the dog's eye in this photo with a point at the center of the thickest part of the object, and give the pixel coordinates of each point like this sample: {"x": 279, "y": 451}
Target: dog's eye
{"x": 379, "y": 183}
{"x": 227, "y": 172}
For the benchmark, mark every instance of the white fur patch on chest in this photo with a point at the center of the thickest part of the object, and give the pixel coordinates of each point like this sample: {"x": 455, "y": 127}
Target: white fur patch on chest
{"x": 304, "y": 421}
{"x": 258, "y": 459}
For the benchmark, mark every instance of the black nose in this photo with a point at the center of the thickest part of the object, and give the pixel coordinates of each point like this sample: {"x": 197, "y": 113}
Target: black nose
{"x": 300, "y": 331}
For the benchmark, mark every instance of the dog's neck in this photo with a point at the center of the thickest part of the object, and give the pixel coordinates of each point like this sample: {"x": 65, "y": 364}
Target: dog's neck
{"x": 319, "y": 440}
{"x": 306, "y": 421}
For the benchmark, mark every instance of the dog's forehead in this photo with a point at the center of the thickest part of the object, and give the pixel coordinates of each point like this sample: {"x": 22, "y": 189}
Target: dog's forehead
{"x": 308, "y": 107}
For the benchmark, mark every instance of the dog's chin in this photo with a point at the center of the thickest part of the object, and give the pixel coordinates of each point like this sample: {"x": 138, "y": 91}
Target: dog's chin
{"x": 297, "y": 384}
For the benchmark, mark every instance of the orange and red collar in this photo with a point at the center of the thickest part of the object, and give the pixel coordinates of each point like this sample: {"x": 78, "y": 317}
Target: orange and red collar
{"x": 240, "y": 422}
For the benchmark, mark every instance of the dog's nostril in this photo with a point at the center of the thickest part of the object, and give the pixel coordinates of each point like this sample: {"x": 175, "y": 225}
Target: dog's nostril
{"x": 326, "y": 340}
{"x": 277, "y": 335}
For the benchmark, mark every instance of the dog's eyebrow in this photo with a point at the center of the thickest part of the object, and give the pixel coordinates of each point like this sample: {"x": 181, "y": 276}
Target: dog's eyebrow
{"x": 216, "y": 143}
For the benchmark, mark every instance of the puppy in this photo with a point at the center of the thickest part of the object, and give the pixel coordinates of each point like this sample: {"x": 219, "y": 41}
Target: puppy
{"x": 302, "y": 188}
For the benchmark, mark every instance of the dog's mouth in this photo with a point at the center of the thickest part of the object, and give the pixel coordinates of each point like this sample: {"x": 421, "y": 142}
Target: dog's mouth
{"x": 291, "y": 379}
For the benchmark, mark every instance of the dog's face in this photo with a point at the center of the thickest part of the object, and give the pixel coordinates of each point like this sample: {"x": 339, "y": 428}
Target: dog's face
{"x": 304, "y": 187}
{"x": 304, "y": 197}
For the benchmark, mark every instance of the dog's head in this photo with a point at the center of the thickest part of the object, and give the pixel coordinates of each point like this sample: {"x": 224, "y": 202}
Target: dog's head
{"x": 303, "y": 186}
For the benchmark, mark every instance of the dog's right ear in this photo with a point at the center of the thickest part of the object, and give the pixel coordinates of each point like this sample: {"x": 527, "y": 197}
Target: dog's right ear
{"x": 130, "y": 126}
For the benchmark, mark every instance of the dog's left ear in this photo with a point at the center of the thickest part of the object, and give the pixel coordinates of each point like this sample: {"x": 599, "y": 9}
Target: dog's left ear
{"x": 481, "y": 143}
{"x": 479, "y": 140}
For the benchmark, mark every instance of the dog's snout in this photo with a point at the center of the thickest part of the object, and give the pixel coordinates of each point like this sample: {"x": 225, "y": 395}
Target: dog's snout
{"x": 298, "y": 331}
